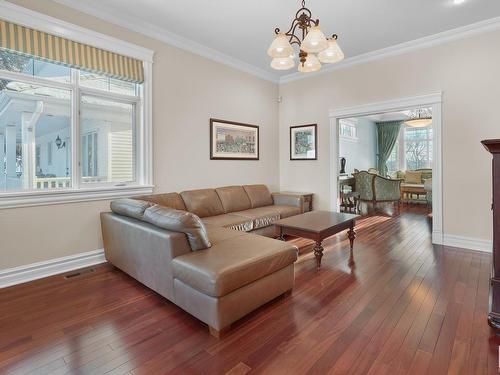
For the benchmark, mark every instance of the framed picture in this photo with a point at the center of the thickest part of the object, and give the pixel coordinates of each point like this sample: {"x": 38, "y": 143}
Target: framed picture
{"x": 231, "y": 140}
{"x": 303, "y": 142}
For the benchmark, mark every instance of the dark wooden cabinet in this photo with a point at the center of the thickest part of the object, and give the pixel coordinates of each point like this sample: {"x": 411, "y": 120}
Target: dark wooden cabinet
{"x": 493, "y": 146}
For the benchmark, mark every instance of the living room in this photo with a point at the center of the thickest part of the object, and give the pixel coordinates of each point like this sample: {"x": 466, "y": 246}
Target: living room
{"x": 105, "y": 101}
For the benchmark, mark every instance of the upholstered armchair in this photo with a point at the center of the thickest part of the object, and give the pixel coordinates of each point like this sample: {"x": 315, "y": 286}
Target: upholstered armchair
{"x": 374, "y": 188}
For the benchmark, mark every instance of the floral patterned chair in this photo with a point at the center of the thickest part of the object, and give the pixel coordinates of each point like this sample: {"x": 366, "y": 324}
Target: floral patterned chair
{"x": 374, "y": 188}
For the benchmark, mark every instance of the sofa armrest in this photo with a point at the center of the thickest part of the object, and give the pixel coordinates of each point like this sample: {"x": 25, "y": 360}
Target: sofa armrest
{"x": 143, "y": 250}
{"x": 283, "y": 199}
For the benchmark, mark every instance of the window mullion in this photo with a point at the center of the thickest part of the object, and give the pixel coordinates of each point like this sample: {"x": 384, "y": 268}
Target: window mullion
{"x": 75, "y": 130}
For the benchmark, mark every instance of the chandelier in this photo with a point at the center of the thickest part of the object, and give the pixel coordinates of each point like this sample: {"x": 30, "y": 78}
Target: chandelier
{"x": 419, "y": 118}
{"x": 314, "y": 47}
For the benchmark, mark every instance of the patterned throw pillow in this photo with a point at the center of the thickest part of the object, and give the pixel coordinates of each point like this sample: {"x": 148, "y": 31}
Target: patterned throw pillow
{"x": 413, "y": 177}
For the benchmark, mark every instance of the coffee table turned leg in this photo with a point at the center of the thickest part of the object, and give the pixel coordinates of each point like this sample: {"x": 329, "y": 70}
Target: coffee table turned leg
{"x": 281, "y": 237}
{"x": 351, "y": 234}
{"x": 318, "y": 253}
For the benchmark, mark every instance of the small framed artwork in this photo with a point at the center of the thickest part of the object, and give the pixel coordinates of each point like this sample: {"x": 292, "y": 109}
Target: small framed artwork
{"x": 231, "y": 140}
{"x": 303, "y": 142}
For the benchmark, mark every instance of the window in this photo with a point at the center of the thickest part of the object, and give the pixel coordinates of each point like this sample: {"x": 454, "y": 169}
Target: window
{"x": 418, "y": 147}
{"x": 44, "y": 106}
{"x": 347, "y": 129}
{"x": 413, "y": 150}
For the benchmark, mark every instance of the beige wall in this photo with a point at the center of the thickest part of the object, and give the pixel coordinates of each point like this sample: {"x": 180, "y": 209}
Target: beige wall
{"x": 468, "y": 74}
{"x": 187, "y": 91}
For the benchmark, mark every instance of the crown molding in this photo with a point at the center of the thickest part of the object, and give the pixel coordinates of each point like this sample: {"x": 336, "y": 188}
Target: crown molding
{"x": 402, "y": 48}
{"x": 42, "y": 22}
{"x": 134, "y": 24}
{"x": 163, "y": 35}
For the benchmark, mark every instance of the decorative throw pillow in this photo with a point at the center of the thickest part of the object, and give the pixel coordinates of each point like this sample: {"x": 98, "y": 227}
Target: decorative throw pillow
{"x": 400, "y": 175}
{"x": 179, "y": 221}
{"x": 413, "y": 177}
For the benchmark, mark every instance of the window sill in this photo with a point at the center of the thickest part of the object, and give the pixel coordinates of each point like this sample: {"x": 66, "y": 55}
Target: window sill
{"x": 348, "y": 139}
{"x": 49, "y": 197}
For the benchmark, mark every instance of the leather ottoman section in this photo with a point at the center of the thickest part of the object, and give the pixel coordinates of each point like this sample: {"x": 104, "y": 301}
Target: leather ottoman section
{"x": 233, "y": 263}
{"x": 221, "y": 312}
{"x": 287, "y": 211}
{"x": 231, "y": 221}
{"x": 261, "y": 216}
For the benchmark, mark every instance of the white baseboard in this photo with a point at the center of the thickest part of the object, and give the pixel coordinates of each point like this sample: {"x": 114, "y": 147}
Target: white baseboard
{"x": 22, "y": 274}
{"x": 468, "y": 243}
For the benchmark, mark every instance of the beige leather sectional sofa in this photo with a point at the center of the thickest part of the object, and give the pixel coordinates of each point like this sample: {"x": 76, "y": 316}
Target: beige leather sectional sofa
{"x": 241, "y": 269}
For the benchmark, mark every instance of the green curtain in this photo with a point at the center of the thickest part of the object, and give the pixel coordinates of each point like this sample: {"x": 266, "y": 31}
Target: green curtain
{"x": 387, "y": 136}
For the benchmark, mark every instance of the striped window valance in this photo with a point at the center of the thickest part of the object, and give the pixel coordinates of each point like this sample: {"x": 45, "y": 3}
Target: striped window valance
{"x": 24, "y": 40}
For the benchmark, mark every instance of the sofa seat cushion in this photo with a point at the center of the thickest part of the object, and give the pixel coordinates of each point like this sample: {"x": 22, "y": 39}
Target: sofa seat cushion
{"x": 287, "y": 211}
{"x": 231, "y": 221}
{"x": 219, "y": 234}
{"x": 261, "y": 216}
{"x": 407, "y": 184}
{"x": 233, "y": 263}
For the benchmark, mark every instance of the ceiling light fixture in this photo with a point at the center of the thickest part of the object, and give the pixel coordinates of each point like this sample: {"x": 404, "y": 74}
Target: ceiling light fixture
{"x": 311, "y": 41}
{"x": 419, "y": 118}
{"x": 458, "y": 2}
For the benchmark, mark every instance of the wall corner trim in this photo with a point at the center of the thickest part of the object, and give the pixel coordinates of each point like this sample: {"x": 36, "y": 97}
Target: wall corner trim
{"x": 34, "y": 271}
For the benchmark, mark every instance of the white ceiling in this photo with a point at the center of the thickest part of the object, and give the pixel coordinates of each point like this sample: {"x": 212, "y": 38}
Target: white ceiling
{"x": 243, "y": 30}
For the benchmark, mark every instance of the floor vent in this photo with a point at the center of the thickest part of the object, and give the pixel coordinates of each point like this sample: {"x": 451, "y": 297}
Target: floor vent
{"x": 78, "y": 273}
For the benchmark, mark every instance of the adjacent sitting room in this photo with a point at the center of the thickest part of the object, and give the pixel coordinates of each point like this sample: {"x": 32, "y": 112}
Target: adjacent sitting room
{"x": 386, "y": 158}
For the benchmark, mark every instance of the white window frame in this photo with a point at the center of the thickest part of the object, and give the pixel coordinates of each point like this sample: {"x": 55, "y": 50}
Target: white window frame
{"x": 143, "y": 133}
{"x": 401, "y": 157}
{"x": 351, "y": 123}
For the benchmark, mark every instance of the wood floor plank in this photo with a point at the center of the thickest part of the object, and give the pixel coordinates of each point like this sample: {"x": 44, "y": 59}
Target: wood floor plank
{"x": 407, "y": 307}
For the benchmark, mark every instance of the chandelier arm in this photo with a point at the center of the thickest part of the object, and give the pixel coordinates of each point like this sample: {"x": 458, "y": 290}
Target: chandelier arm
{"x": 291, "y": 33}
{"x": 294, "y": 39}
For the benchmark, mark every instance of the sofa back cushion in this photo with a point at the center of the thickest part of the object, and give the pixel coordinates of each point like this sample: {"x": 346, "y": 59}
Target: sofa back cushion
{"x": 130, "y": 207}
{"x": 179, "y": 221}
{"x": 413, "y": 177}
{"x": 426, "y": 173}
{"x": 203, "y": 202}
{"x": 172, "y": 200}
{"x": 233, "y": 198}
{"x": 259, "y": 195}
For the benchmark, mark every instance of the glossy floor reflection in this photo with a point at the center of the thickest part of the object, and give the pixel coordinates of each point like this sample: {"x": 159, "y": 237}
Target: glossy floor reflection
{"x": 406, "y": 307}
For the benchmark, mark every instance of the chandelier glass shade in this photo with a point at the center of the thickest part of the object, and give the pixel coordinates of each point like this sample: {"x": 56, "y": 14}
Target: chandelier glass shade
{"x": 332, "y": 54}
{"x": 314, "y": 47}
{"x": 419, "y": 118}
{"x": 282, "y": 63}
{"x": 315, "y": 41}
{"x": 311, "y": 64}
{"x": 280, "y": 47}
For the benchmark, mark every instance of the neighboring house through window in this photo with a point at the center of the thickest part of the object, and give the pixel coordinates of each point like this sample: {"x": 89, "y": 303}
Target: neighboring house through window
{"x": 44, "y": 104}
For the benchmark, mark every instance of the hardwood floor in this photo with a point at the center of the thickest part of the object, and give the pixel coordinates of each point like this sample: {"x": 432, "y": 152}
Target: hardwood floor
{"x": 407, "y": 307}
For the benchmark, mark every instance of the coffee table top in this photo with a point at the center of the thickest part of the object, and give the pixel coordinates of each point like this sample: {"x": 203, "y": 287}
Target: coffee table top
{"x": 316, "y": 221}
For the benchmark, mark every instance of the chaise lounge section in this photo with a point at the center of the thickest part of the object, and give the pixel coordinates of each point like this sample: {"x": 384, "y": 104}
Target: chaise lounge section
{"x": 160, "y": 240}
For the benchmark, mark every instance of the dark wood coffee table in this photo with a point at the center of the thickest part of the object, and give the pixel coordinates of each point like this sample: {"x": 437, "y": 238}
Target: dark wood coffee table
{"x": 317, "y": 226}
